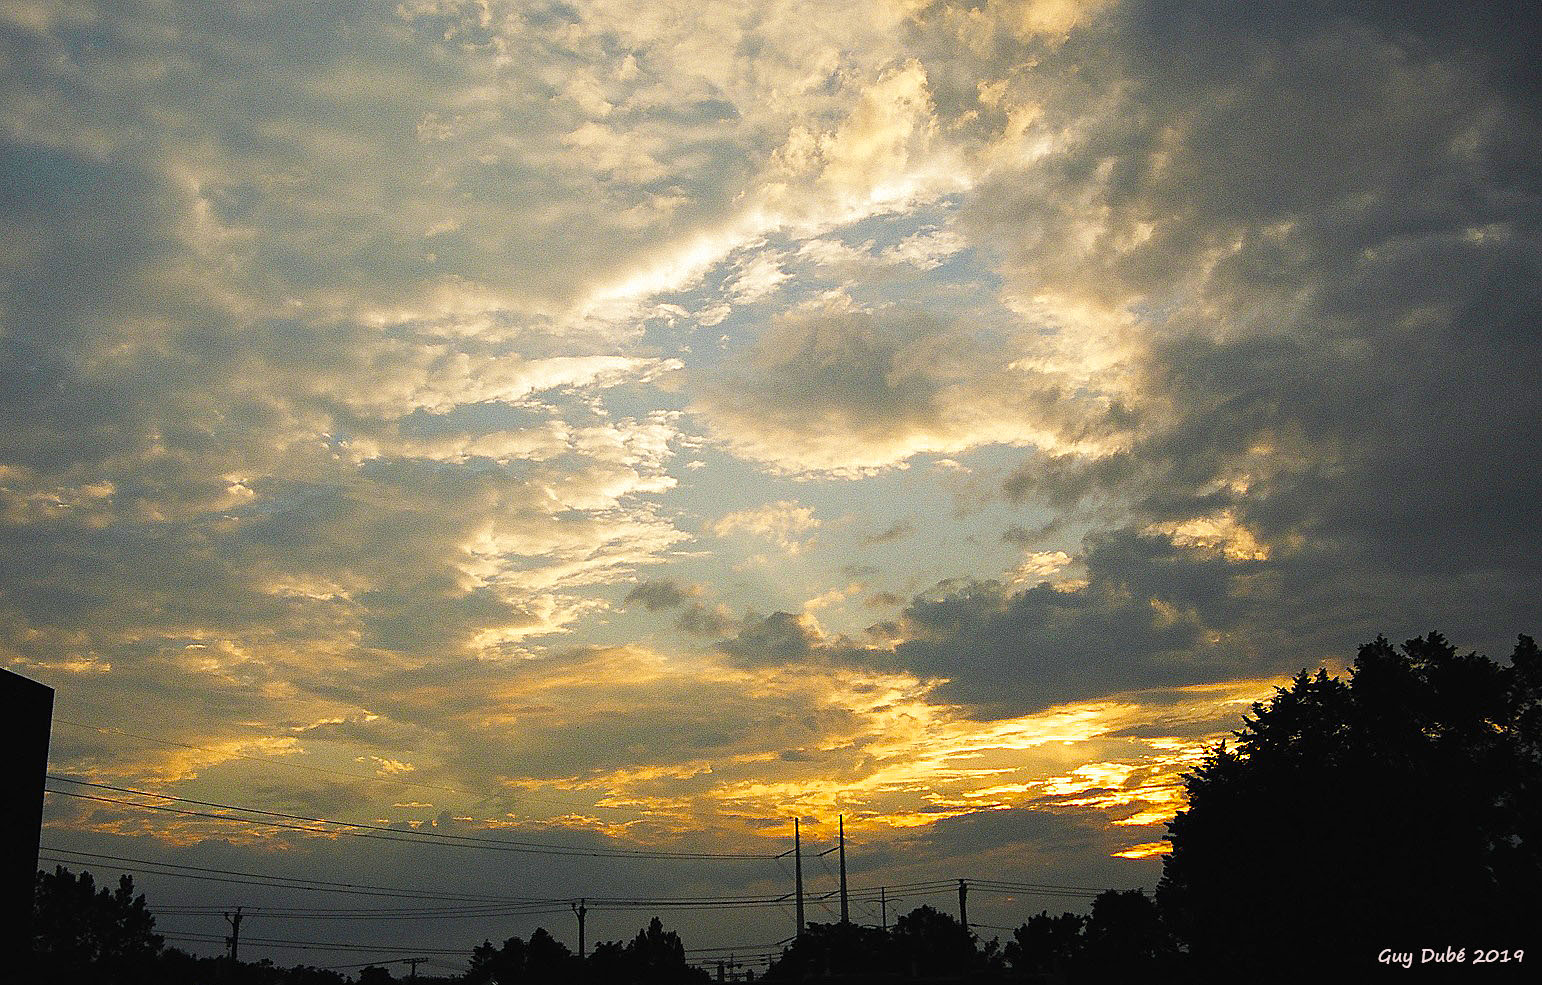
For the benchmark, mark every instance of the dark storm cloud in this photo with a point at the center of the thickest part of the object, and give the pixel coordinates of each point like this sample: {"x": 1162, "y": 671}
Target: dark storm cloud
{"x": 1358, "y": 182}
{"x": 1324, "y": 224}
{"x": 1143, "y": 618}
{"x": 1148, "y": 614}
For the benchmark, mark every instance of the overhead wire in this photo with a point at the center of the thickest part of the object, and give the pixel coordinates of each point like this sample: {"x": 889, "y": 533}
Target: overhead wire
{"x": 154, "y": 867}
{"x": 283, "y": 942}
{"x": 364, "y": 829}
{"x": 471, "y": 905}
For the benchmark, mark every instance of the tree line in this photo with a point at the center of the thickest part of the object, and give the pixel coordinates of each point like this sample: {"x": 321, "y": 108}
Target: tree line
{"x": 1387, "y": 822}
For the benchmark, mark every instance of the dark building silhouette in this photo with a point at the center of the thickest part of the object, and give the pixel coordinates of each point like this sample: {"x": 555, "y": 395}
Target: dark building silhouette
{"x": 28, "y": 708}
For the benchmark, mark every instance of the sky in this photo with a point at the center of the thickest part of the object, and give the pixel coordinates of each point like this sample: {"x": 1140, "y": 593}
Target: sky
{"x": 636, "y": 425}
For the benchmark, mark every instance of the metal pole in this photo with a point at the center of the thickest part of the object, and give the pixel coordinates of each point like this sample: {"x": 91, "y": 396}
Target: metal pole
{"x": 845, "y": 916}
{"x": 797, "y": 868}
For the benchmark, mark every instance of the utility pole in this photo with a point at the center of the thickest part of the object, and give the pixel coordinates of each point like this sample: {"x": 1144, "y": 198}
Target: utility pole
{"x": 845, "y": 916}
{"x": 797, "y": 868}
{"x": 580, "y": 909}
{"x": 412, "y": 974}
{"x": 963, "y": 903}
{"x": 883, "y": 904}
{"x": 234, "y": 940}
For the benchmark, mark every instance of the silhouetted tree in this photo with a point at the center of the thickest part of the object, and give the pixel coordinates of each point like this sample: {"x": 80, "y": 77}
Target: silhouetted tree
{"x": 490, "y": 963}
{"x": 80, "y": 933}
{"x": 544, "y": 959}
{"x": 825, "y": 949}
{"x": 931, "y": 943}
{"x": 1124, "y": 940}
{"x": 607, "y": 962}
{"x": 375, "y": 975}
{"x": 1045, "y": 945}
{"x": 653, "y": 957}
{"x": 1400, "y": 808}
{"x": 656, "y": 955}
{"x": 548, "y": 959}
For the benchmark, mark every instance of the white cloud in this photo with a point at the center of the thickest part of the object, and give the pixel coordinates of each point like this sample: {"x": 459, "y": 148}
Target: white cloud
{"x": 784, "y": 523}
{"x": 1039, "y": 566}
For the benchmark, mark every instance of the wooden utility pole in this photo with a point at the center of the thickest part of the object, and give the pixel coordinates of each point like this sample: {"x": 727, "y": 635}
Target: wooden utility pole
{"x": 845, "y": 914}
{"x": 412, "y": 974}
{"x": 579, "y": 909}
{"x": 883, "y": 904}
{"x": 797, "y": 869}
{"x": 234, "y": 940}
{"x": 963, "y": 903}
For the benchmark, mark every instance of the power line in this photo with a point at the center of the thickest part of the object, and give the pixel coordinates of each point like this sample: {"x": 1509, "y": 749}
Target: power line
{"x": 295, "y": 882}
{"x": 282, "y": 882}
{"x": 282, "y": 942}
{"x": 488, "y": 906}
{"x": 1036, "y": 889}
{"x": 708, "y": 953}
{"x": 1037, "y": 885}
{"x": 406, "y": 949}
{"x": 399, "y": 834}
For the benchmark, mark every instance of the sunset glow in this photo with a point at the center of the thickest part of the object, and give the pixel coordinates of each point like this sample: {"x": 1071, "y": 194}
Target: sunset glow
{"x": 630, "y": 427}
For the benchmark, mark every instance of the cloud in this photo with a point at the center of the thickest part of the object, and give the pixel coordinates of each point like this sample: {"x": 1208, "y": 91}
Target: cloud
{"x": 895, "y": 531}
{"x": 923, "y": 250}
{"x": 701, "y": 619}
{"x": 1152, "y": 610}
{"x": 1039, "y": 566}
{"x": 1296, "y": 250}
{"x": 832, "y": 388}
{"x": 784, "y": 523}
{"x": 662, "y": 594}
{"x": 1003, "y": 652}
{"x": 695, "y": 617}
{"x": 779, "y": 638}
